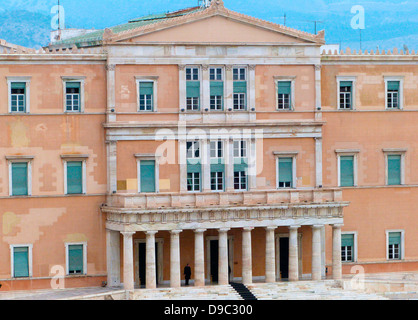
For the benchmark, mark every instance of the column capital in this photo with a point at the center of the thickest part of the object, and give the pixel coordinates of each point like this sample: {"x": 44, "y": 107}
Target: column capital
{"x": 294, "y": 227}
{"x": 248, "y": 228}
{"x": 127, "y": 233}
{"x": 205, "y": 67}
{"x": 251, "y": 66}
{"x": 337, "y": 226}
{"x": 317, "y": 226}
{"x": 176, "y": 231}
{"x": 228, "y": 67}
{"x": 182, "y": 66}
{"x": 271, "y": 228}
{"x": 151, "y": 233}
{"x": 223, "y": 230}
{"x": 318, "y": 67}
{"x": 111, "y": 67}
{"x": 200, "y": 230}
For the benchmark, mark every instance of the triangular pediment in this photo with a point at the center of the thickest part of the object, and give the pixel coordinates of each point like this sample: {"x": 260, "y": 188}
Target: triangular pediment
{"x": 215, "y": 24}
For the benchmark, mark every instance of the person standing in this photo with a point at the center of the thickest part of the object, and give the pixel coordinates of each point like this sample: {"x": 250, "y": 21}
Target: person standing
{"x": 187, "y": 273}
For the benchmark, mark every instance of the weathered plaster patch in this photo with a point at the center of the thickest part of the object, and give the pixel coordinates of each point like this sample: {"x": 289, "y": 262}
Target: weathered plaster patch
{"x": 76, "y": 237}
{"x": 10, "y": 220}
{"x": 18, "y": 134}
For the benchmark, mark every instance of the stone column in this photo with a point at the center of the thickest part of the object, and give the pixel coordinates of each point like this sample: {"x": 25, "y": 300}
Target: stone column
{"x": 183, "y": 165}
{"x": 270, "y": 255}
{"x": 229, "y": 88}
{"x": 223, "y": 257}
{"x": 318, "y": 161}
{"x": 175, "y": 279}
{"x": 318, "y": 99}
{"x": 113, "y": 257}
{"x": 111, "y": 94}
{"x": 182, "y": 87}
{"x": 247, "y": 264}
{"x": 151, "y": 281}
{"x": 128, "y": 261}
{"x": 316, "y": 253}
{"x": 336, "y": 252}
{"x": 293, "y": 253}
{"x": 229, "y": 167}
{"x": 205, "y": 153}
{"x": 199, "y": 258}
{"x": 111, "y": 153}
{"x": 205, "y": 88}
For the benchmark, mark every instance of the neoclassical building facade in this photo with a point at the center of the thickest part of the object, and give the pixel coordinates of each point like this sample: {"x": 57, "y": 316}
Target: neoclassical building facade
{"x": 209, "y": 138}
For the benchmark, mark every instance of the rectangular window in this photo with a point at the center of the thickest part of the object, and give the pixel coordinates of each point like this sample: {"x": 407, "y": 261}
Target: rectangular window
{"x": 240, "y": 180}
{"x": 76, "y": 259}
{"x": 147, "y": 176}
{"x": 216, "y": 88}
{"x": 240, "y": 149}
{"x": 74, "y": 177}
{"x": 72, "y": 96}
{"x": 192, "y": 89}
{"x": 215, "y": 74}
{"x": 20, "y": 262}
{"x": 18, "y": 97}
{"x": 346, "y": 171}
{"x": 285, "y": 172}
{"x": 346, "y": 94}
{"x": 193, "y": 180}
{"x": 239, "y": 74}
{"x": 217, "y": 181}
{"x": 393, "y": 94}
{"x": 240, "y": 88}
{"x": 20, "y": 179}
{"x": 394, "y": 249}
{"x": 394, "y": 163}
{"x": 347, "y": 247}
{"x": 146, "y": 96}
{"x": 193, "y": 149}
{"x": 216, "y": 149}
{"x": 284, "y": 94}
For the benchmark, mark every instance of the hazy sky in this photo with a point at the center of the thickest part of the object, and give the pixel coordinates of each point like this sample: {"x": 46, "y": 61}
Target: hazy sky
{"x": 387, "y": 22}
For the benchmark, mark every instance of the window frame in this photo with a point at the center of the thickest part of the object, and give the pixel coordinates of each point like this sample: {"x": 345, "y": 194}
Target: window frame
{"x": 292, "y": 81}
{"x": 240, "y": 181}
{"x": 27, "y": 81}
{"x": 30, "y": 260}
{"x": 402, "y": 251}
{"x": 216, "y": 184}
{"x": 67, "y": 260}
{"x": 154, "y": 81}
{"x": 354, "y": 251}
{"x": 20, "y": 159}
{"x": 193, "y": 150}
{"x": 353, "y": 79}
{"x": 148, "y": 157}
{"x": 290, "y": 154}
{"x": 347, "y": 153}
{"x": 217, "y": 149}
{"x": 240, "y": 148}
{"x": 400, "y": 79}
{"x": 75, "y": 158}
{"x": 193, "y": 182}
{"x": 67, "y": 79}
{"x": 395, "y": 152}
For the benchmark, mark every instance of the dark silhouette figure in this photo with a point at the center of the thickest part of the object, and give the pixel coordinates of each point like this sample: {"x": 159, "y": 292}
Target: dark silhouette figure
{"x": 187, "y": 273}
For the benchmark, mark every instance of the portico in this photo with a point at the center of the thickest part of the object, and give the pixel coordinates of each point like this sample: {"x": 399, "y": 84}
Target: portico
{"x": 240, "y": 233}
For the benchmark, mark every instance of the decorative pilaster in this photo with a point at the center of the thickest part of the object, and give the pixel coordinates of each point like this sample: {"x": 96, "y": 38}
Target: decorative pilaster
{"x": 205, "y": 165}
{"x": 293, "y": 253}
{"x": 247, "y": 265}
{"x": 111, "y": 94}
{"x": 128, "y": 261}
{"x": 182, "y": 87}
{"x": 229, "y": 88}
{"x": 316, "y": 253}
{"x": 336, "y": 252}
{"x": 205, "y": 88}
{"x": 251, "y": 87}
{"x": 175, "y": 278}
{"x": 223, "y": 269}
{"x": 199, "y": 258}
{"x": 318, "y": 161}
{"x": 229, "y": 167}
{"x": 270, "y": 255}
{"x": 151, "y": 281}
{"x": 111, "y": 153}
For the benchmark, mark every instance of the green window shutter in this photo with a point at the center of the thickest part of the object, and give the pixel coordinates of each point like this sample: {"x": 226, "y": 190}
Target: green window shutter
{"x": 284, "y": 87}
{"x": 147, "y": 176}
{"x": 193, "y": 89}
{"x": 75, "y": 258}
{"x": 146, "y": 88}
{"x": 19, "y": 179}
{"x": 74, "y": 177}
{"x": 393, "y": 85}
{"x": 346, "y": 84}
{"x": 217, "y": 168}
{"x": 240, "y": 86}
{"x": 347, "y": 171}
{"x": 216, "y": 88}
{"x": 18, "y": 85}
{"x": 286, "y": 170}
{"x": 347, "y": 240}
{"x": 395, "y": 238}
{"x": 192, "y": 168}
{"x": 73, "y": 85}
{"x": 394, "y": 169}
{"x": 21, "y": 262}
